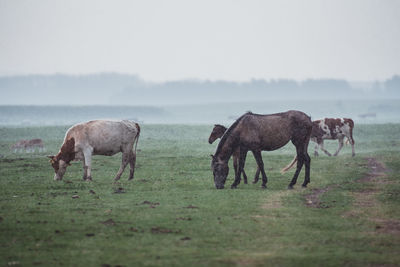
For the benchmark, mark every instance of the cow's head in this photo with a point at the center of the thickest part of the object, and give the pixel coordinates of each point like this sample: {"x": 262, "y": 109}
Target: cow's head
{"x": 220, "y": 171}
{"x": 60, "y": 161}
{"x": 59, "y": 166}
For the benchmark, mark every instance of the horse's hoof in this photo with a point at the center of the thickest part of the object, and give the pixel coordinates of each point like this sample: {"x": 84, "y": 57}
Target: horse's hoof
{"x": 263, "y": 187}
{"x": 233, "y": 187}
{"x": 304, "y": 186}
{"x": 290, "y": 187}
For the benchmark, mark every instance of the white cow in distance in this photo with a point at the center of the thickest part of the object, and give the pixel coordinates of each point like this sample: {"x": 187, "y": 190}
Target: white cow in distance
{"x": 98, "y": 137}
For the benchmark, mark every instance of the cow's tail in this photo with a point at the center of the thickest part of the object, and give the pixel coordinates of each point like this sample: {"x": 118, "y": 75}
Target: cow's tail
{"x": 137, "y": 135}
{"x": 290, "y": 165}
{"x": 351, "y": 126}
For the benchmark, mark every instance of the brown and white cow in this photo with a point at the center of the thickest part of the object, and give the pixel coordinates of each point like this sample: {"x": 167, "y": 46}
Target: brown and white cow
{"x": 99, "y": 137}
{"x": 331, "y": 129}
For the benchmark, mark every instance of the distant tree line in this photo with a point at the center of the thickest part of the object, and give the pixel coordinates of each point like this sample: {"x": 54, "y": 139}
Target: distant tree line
{"x": 125, "y": 89}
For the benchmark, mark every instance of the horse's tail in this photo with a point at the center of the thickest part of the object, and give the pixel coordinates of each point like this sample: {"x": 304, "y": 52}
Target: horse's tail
{"x": 291, "y": 164}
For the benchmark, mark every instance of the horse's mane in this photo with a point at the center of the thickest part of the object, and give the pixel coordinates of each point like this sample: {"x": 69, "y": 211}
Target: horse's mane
{"x": 228, "y": 132}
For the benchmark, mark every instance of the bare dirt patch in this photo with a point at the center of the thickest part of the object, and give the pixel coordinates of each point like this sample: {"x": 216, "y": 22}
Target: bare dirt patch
{"x": 376, "y": 174}
{"x": 366, "y": 204}
{"x": 313, "y": 199}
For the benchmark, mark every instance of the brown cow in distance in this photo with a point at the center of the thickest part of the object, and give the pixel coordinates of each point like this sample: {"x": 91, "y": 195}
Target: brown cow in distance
{"x": 332, "y": 129}
{"x": 28, "y": 145}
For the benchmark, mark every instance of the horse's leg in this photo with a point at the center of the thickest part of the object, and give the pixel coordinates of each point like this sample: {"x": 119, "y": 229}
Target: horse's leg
{"x": 300, "y": 162}
{"x": 242, "y": 160}
{"x": 260, "y": 163}
{"x": 235, "y": 164}
{"x": 236, "y": 156}
{"x": 257, "y": 176}
{"x": 307, "y": 161}
{"x": 244, "y": 176}
{"x": 340, "y": 146}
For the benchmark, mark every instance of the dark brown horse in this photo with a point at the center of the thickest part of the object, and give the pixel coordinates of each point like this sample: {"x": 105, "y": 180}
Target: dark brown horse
{"x": 258, "y": 133}
{"x": 217, "y": 132}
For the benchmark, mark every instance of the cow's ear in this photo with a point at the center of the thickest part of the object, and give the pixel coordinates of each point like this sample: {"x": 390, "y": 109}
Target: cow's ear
{"x": 51, "y": 159}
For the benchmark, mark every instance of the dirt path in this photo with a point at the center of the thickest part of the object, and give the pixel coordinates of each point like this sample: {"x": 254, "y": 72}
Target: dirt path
{"x": 375, "y": 175}
{"x": 365, "y": 203}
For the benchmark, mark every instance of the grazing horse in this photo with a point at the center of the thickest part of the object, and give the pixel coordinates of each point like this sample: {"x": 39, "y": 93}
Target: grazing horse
{"x": 99, "y": 137}
{"x": 217, "y": 132}
{"x": 258, "y": 133}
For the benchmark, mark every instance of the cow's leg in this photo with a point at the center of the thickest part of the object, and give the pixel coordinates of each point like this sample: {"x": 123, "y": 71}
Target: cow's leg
{"x": 132, "y": 163}
{"x": 84, "y": 170}
{"x": 351, "y": 140}
{"x": 260, "y": 163}
{"x": 340, "y": 139}
{"x": 87, "y": 164}
{"x": 353, "y": 152}
{"x": 321, "y": 145}
{"x": 242, "y": 160}
{"x": 124, "y": 162}
{"x": 316, "y": 149}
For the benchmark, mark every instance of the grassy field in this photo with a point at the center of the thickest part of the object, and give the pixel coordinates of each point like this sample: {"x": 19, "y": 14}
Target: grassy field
{"x": 172, "y": 215}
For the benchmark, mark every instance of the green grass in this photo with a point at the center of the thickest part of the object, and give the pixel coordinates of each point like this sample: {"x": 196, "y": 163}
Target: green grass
{"x": 171, "y": 214}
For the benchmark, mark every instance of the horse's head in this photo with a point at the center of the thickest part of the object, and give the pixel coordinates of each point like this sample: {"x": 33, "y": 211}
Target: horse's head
{"x": 217, "y": 132}
{"x": 220, "y": 170}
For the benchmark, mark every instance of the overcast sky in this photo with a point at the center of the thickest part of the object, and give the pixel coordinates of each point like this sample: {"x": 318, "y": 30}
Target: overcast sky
{"x": 206, "y": 39}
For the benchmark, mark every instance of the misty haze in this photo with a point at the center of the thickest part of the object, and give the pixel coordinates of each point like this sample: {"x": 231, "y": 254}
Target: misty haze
{"x": 66, "y": 99}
